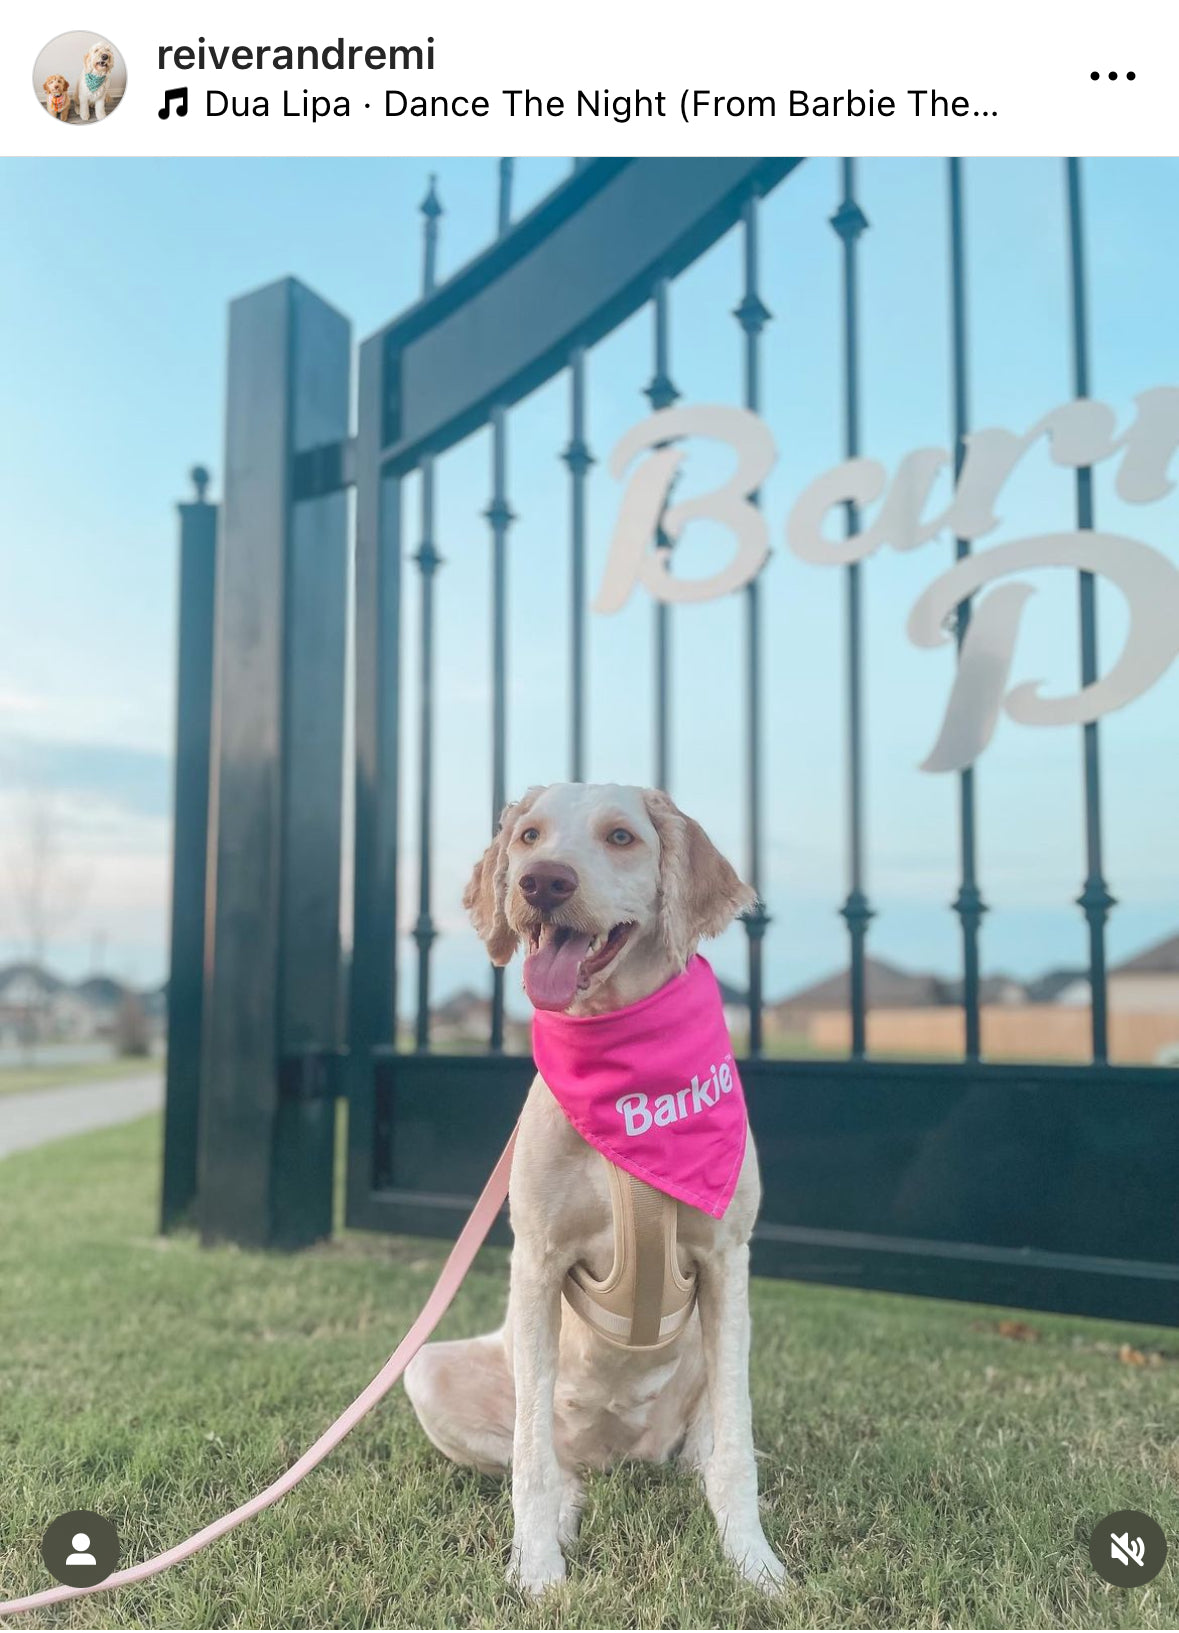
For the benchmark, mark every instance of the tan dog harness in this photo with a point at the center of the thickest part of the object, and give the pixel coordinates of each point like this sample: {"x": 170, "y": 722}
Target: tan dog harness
{"x": 644, "y": 1301}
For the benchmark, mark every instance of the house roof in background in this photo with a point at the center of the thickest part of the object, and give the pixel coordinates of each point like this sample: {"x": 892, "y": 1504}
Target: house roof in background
{"x": 992, "y": 989}
{"x": 45, "y": 980}
{"x": 888, "y": 987}
{"x": 461, "y": 1005}
{"x": 1047, "y": 988}
{"x": 102, "y": 991}
{"x": 1161, "y": 959}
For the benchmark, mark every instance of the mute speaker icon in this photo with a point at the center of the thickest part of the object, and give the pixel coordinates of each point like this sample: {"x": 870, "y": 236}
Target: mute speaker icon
{"x": 1125, "y": 1551}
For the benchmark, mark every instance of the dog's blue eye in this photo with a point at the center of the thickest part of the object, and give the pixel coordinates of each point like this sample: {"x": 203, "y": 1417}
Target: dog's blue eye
{"x": 620, "y": 836}
{"x": 530, "y": 836}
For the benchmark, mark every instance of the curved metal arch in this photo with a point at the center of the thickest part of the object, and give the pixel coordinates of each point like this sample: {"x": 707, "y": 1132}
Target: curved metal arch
{"x": 568, "y": 273}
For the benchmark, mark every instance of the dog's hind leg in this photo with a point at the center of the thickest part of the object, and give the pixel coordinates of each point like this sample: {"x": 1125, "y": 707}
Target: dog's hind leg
{"x": 697, "y": 1444}
{"x": 463, "y": 1395}
{"x": 572, "y": 1503}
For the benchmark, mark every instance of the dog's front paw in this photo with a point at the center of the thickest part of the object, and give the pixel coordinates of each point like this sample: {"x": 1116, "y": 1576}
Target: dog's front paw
{"x": 536, "y": 1568}
{"x": 760, "y": 1565}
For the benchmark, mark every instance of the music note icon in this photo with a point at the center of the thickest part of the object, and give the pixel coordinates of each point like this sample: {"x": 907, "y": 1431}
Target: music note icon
{"x": 180, "y": 98}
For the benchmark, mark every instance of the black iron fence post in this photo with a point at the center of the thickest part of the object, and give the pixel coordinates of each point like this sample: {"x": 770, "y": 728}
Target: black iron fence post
{"x": 500, "y": 517}
{"x": 579, "y": 459}
{"x": 968, "y": 904}
{"x": 373, "y": 987}
{"x": 661, "y": 393}
{"x": 190, "y": 831}
{"x": 849, "y": 222}
{"x": 273, "y": 979}
{"x": 1095, "y": 899}
{"x": 753, "y": 315}
{"x": 424, "y": 931}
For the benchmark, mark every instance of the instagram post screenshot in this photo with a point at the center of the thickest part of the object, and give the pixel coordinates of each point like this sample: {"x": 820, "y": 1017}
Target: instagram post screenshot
{"x": 589, "y": 860}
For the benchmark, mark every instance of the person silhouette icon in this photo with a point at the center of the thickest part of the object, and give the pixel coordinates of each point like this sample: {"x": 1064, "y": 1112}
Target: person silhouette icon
{"x": 81, "y": 1555}
{"x": 80, "y": 1548}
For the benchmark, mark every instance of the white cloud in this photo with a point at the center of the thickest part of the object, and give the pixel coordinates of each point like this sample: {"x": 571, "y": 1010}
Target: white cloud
{"x": 15, "y": 701}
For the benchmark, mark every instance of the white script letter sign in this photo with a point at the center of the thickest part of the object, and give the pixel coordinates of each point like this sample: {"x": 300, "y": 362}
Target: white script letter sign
{"x": 633, "y": 558}
{"x": 1149, "y": 583}
{"x": 1079, "y": 434}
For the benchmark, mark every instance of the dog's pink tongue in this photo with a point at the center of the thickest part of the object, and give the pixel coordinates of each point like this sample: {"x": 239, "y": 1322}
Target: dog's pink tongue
{"x": 550, "y": 973}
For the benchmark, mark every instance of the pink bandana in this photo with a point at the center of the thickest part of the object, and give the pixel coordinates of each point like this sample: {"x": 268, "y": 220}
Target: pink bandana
{"x": 654, "y": 1087}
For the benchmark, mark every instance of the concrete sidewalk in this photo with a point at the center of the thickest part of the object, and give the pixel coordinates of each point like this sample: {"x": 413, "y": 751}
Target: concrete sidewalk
{"x": 42, "y": 1115}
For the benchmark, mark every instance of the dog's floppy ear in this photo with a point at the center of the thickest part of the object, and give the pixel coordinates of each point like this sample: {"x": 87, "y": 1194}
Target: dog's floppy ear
{"x": 700, "y": 892}
{"x": 485, "y": 895}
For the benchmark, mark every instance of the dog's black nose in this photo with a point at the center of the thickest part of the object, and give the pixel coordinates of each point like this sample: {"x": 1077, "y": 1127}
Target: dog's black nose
{"x": 547, "y": 885}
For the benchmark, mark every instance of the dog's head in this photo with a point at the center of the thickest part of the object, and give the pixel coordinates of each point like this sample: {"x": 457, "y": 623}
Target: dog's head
{"x": 596, "y": 879}
{"x": 100, "y": 58}
{"x": 56, "y": 85}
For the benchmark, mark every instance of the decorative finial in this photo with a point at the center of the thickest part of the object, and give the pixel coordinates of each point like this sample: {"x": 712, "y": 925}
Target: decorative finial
{"x": 431, "y": 209}
{"x": 430, "y": 205}
{"x": 200, "y": 481}
{"x": 504, "y": 210}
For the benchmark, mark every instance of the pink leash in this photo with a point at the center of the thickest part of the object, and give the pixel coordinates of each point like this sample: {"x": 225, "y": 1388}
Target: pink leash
{"x": 453, "y": 1271}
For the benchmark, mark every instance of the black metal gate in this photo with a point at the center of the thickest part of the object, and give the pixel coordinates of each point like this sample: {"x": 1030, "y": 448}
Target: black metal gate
{"x": 1044, "y": 1186}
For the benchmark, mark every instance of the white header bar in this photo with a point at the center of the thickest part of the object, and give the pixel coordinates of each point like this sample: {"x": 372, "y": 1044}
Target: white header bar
{"x": 609, "y": 78}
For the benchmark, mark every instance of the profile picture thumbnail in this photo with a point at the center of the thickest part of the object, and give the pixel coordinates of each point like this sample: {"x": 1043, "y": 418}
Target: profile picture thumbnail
{"x": 79, "y": 77}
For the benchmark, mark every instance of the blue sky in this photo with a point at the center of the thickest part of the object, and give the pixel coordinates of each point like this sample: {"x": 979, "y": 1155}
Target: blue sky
{"x": 112, "y": 389}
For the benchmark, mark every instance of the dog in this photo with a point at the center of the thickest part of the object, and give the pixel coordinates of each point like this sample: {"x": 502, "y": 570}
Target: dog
{"x": 97, "y": 65}
{"x": 57, "y": 96}
{"x": 623, "y": 886}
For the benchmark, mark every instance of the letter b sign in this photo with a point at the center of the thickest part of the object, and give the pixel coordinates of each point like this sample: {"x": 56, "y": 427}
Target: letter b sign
{"x": 633, "y": 559}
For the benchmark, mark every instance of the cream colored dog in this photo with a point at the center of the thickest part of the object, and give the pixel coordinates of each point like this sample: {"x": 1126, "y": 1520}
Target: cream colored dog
{"x": 545, "y": 1395}
{"x": 92, "y": 88}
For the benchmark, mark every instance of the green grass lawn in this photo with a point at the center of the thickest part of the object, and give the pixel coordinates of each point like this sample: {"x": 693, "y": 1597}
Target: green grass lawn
{"x": 20, "y": 1079}
{"x": 918, "y": 1469}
